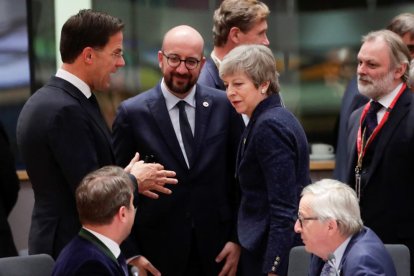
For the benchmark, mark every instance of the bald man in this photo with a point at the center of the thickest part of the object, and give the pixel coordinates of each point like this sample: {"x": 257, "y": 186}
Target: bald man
{"x": 194, "y": 131}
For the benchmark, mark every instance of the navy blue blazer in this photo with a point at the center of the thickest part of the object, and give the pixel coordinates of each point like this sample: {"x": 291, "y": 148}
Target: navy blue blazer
{"x": 387, "y": 186}
{"x": 272, "y": 168}
{"x": 86, "y": 256}
{"x": 365, "y": 254}
{"x": 62, "y": 138}
{"x": 205, "y": 198}
{"x": 209, "y": 75}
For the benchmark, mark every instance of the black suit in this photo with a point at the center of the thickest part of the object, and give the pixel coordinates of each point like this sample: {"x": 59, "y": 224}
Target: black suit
{"x": 62, "y": 138}
{"x": 387, "y": 189}
{"x": 9, "y": 188}
{"x": 202, "y": 204}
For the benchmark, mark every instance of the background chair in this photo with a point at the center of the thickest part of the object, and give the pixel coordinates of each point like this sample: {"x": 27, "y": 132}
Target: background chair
{"x": 299, "y": 261}
{"x": 400, "y": 254}
{"x": 33, "y": 265}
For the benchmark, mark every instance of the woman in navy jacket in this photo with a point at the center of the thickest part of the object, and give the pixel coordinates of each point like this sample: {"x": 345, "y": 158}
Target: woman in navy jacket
{"x": 272, "y": 162}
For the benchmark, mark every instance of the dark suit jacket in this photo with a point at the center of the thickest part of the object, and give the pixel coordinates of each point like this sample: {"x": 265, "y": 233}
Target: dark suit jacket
{"x": 9, "y": 188}
{"x": 209, "y": 75}
{"x": 272, "y": 168}
{"x": 365, "y": 254}
{"x": 351, "y": 101}
{"x": 86, "y": 256}
{"x": 387, "y": 206}
{"x": 204, "y": 198}
{"x": 61, "y": 138}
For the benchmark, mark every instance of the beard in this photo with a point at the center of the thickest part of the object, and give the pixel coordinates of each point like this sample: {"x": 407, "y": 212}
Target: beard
{"x": 375, "y": 89}
{"x": 181, "y": 86}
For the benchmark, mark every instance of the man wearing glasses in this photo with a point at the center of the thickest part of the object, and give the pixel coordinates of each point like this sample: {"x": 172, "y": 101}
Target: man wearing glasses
{"x": 193, "y": 130}
{"x": 331, "y": 228}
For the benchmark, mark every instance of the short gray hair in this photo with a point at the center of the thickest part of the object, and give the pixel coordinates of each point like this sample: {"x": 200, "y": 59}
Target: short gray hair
{"x": 402, "y": 24}
{"x": 256, "y": 61}
{"x": 333, "y": 199}
{"x": 399, "y": 53}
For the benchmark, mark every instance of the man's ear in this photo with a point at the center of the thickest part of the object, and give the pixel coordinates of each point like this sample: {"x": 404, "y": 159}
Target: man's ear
{"x": 234, "y": 35}
{"x": 399, "y": 72}
{"x": 122, "y": 213}
{"x": 87, "y": 54}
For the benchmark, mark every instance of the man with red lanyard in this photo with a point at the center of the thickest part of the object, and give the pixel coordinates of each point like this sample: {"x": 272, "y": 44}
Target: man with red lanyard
{"x": 381, "y": 142}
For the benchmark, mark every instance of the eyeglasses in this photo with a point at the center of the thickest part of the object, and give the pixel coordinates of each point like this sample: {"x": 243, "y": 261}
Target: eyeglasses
{"x": 301, "y": 219}
{"x": 174, "y": 61}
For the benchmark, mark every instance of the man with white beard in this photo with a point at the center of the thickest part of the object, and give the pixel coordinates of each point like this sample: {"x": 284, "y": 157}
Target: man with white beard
{"x": 381, "y": 141}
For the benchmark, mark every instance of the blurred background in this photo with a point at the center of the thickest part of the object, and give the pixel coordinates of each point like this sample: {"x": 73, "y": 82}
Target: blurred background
{"x": 315, "y": 43}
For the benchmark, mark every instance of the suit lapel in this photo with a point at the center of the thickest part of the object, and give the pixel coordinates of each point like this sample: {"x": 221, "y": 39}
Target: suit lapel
{"x": 158, "y": 109}
{"x": 204, "y": 105}
{"x": 397, "y": 114}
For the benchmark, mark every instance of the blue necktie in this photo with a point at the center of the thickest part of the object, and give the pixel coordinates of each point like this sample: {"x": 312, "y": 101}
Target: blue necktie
{"x": 371, "y": 121}
{"x": 327, "y": 270}
{"x": 186, "y": 133}
{"x": 122, "y": 262}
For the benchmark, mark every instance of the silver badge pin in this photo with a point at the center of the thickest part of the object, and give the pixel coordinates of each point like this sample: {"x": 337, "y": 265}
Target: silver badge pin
{"x": 205, "y": 104}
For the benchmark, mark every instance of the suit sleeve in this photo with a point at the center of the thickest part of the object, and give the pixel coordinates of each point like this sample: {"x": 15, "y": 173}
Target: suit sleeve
{"x": 277, "y": 150}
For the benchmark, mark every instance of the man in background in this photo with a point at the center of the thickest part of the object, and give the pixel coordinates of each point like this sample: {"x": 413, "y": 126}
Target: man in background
{"x": 62, "y": 135}
{"x": 236, "y": 22}
{"x": 331, "y": 228}
{"x": 381, "y": 139}
{"x": 194, "y": 131}
{"x": 403, "y": 25}
{"x": 95, "y": 250}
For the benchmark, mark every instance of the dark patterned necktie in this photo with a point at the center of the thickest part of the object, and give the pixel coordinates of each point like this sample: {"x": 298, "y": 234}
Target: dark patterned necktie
{"x": 186, "y": 133}
{"x": 327, "y": 270}
{"x": 92, "y": 99}
{"x": 122, "y": 262}
{"x": 371, "y": 121}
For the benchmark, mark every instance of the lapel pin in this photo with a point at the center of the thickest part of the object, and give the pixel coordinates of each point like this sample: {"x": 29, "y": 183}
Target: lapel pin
{"x": 205, "y": 104}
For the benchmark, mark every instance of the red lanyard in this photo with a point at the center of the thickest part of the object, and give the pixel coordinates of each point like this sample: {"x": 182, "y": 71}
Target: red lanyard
{"x": 363, "y": 142}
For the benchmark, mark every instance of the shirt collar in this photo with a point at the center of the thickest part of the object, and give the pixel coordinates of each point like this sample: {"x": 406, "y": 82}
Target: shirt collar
{"x": 339, "y": 252}
{"x": 171, "y": 100}
{"x": 77, "y": 82}
{"x": 387, "y": 99}
{"x": 112, "y": 245}
{"x": 215, "y": 59}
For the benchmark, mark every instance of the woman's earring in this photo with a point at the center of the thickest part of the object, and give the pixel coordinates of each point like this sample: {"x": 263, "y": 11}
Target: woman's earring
{"x": 263, "y": 91}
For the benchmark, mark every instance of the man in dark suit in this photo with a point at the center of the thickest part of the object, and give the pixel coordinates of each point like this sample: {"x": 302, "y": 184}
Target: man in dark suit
{"x": 381, "y": 139}
{"x": 331, "y": 228}
{"x": 9, "y": 189}
{"x": 403, "y": 25}
{"x": 193, "y": 130}
{"x": 236, "y": 22}
{"x": 62, "y": 135}
{"x": 95, "y": 250}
